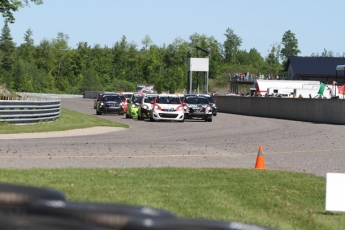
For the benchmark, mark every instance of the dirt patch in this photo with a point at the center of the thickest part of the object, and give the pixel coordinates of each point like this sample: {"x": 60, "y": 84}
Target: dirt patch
{"x": 4, "y": 91}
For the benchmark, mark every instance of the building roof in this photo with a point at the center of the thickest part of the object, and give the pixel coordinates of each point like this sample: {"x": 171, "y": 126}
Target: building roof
{"x": 316, "y": 66}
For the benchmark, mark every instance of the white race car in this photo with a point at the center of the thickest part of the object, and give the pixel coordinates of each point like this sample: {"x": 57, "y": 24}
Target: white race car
{"x": 167, "y": 107}
{"x": 145, "y": 108}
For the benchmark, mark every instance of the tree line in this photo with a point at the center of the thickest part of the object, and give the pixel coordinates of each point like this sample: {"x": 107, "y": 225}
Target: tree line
{"x": 54, "y": 67}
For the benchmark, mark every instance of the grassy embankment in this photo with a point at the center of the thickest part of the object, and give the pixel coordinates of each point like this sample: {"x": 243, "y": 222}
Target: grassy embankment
{"x": 69, "y": 120}
{"x": 281, "y": 200}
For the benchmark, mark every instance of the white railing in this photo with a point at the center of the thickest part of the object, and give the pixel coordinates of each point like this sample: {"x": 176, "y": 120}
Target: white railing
{"x": 23, "y": 112}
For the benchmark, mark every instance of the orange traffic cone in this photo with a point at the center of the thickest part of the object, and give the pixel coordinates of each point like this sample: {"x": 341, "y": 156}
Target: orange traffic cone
{"x": 260, "y": 160}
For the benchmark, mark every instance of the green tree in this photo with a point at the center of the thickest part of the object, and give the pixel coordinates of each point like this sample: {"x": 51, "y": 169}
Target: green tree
{"x": 125, "y": 62}
{"x": 61, "y": 60}
{"x": 101, "y": 60}
{"x": 176, "y": 62}
{"x": 172, "y": 87}
{"x": 257, "y": 61}
{"x": 44, "y": 56}
{"x": 27, "y": 49}
{"x": 7, "y": 7}
{"x": 147, "y": 42}
{"x": 152, "y": 64}
{"x": 231, "y": 46}
{"x": 159, "y": 86}
{"x": 216, "y": 57}
{"x": 90, "y": 81}
{"x": 60, "y": 48}
{"x": 7, "y": 46}
{"x": 290, "y": 46}
{"x": 272, "y": 60}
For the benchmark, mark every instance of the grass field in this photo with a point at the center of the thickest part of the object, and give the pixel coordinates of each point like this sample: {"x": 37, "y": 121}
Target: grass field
{"x": 69, "y": 120}
{"x": 281, "y": 200}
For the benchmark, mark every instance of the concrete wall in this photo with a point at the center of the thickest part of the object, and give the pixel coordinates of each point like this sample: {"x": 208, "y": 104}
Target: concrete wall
{"x": 299, "y": 109}
{"x": 90, "y": 94}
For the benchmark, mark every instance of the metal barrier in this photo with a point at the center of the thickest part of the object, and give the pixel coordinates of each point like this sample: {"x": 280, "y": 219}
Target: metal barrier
{"x": 23, "y": 112}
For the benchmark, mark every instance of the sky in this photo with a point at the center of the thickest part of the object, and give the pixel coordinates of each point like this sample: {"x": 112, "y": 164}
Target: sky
{"x": 317, "y": 24}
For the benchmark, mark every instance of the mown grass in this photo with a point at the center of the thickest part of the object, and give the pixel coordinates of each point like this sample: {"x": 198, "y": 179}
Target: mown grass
{"x": 68, "y": 120}
{"x": 281, "y": 200}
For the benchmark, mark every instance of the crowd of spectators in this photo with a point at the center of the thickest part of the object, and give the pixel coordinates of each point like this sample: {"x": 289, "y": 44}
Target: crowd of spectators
{"x": 247, "y": 76}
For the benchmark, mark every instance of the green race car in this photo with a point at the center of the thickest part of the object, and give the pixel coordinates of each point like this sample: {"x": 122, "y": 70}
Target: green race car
{"x": 133, "y": 105}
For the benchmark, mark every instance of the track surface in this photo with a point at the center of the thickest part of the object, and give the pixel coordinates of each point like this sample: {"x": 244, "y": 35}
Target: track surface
{"x": 230, "y": 141}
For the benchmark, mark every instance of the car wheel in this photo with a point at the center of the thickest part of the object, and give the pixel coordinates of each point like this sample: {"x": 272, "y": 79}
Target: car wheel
{"x": 214, "y": 114}
{"x": 140, "y": 116}
{"x": 209, "y": 119}
{"x": 98, "y": 112}
{"x": 152, "y": 120}
{"x": 127, "y": 116}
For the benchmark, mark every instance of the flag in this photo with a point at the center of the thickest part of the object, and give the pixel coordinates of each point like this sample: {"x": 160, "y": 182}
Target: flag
{"x": 321, "y": 89}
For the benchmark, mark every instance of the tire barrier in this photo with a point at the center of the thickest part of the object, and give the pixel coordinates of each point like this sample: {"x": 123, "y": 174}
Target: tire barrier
{"x": 114, "y": 216}
{"x": 26, "y": 207}
{"x": 187, "y": 224}
{"x": 18, "y": 198}
{"x": 32, "y": 222}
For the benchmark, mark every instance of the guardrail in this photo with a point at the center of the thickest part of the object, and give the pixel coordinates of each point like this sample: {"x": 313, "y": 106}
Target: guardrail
{"x": 23, "y": 112}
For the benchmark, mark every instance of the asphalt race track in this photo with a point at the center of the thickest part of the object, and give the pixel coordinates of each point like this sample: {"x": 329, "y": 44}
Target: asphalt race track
{"x": 230, "y": 141}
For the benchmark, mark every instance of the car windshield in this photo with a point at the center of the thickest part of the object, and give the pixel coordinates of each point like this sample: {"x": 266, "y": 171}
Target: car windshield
{"x": 196, "y": 100}
{"x": 136, "y": 99}
{"x": 111, "y": 98}
{"x": 128, "y": 95}
{"x": 168, "y": 100}
{"x": 148, "y": 99}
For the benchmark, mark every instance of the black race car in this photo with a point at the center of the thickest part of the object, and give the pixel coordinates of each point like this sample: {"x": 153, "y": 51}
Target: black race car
{"x": 212, "y": 104}
{"x": 197, "y": 107}
{"x": 110, "y": 103}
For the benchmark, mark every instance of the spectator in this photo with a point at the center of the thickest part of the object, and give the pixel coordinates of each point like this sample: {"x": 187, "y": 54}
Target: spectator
{"x": 334, "y": 91}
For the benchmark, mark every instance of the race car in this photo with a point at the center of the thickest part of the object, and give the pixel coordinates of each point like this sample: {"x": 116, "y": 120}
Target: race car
{"x": 167, "y": 107}
{"x": 133, "y": 105}
{"x": 144, "y": 110}
{"x": 197, "y": 107}
{"x": 110, "y": 103}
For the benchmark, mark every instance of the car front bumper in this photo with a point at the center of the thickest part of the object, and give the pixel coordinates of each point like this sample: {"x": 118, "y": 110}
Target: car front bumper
{"x": 133, "y": 112}
{"x": 146, "y": 112}
{"x": 171, "y": 116}
{"x": 111, "y": 109}
{"x": 200, "y": 115}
